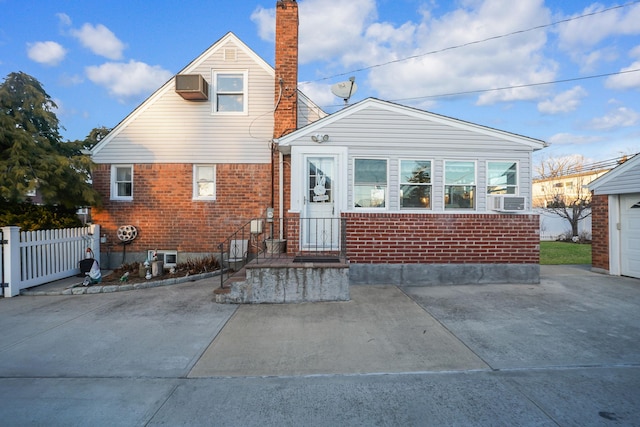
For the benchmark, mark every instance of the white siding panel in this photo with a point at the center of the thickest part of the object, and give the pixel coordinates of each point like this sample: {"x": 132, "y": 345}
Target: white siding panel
{"x": 173, "y": 130}
{"x": 375, "y": 133}
{"x": 629, "y": 182}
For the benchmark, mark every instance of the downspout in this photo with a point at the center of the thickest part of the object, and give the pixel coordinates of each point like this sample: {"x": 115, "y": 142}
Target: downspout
{"x": 281, "y": 190}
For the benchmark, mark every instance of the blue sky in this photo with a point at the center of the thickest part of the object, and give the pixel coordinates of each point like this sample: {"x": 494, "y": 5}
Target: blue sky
{"x": 99, "y": 60}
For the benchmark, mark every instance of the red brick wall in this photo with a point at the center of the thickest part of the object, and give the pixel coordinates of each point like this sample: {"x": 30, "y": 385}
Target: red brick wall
{"x": 446, "y": 238}
{"x": 286, "y": 95}
{"x": 165, "y": 214}
{"x": 600, "y": 232}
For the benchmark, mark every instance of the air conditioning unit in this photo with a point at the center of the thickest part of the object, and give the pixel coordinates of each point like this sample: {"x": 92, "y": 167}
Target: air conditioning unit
{"x": 169, "y": 258}
{"x": 507, "y": 203}
{"x": 192, "y": 87}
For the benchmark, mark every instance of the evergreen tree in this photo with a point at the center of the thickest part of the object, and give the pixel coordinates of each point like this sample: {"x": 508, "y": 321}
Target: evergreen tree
{"x": 32, "y": 154}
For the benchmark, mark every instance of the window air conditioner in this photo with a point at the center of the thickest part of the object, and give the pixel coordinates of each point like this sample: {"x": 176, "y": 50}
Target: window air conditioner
{"x": 507, "y": 203}
{"x": 169, "y": 258}
{"x": 192, "y": 87}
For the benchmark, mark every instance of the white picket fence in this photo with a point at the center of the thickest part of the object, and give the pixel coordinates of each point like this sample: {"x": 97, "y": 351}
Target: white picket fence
{"x": 32, "y": 258}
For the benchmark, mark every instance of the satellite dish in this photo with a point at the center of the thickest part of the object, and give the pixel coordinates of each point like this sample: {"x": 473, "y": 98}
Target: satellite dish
{"x": 344, "y": 90}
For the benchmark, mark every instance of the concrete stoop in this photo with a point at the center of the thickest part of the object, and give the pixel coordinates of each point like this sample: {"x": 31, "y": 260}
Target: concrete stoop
{"x": 287, "y": 283}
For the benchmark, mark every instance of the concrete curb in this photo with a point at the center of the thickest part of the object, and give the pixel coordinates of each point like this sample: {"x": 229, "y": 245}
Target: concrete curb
{"x": 103, "y": 289}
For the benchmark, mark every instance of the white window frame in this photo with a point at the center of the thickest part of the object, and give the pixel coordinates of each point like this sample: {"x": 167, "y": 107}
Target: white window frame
{"x": 114, "y": 182}
{"x": 516, "y": 186}
{"x": 196, "y": 194}
{"x": 386, "y": 190}
{"x": 245, "y": 92}
{"x": 401, "y": 183}
{"x": 474, "y": 185}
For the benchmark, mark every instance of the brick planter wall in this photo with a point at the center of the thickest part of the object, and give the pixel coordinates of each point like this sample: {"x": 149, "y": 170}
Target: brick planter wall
{"x": 600, "y": 232}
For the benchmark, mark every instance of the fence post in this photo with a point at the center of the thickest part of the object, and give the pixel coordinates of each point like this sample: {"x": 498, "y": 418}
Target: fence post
{"x": 11, "y": 261}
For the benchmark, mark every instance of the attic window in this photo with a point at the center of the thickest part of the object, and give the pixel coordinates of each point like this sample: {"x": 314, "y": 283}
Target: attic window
{"x": 230, "y": 92}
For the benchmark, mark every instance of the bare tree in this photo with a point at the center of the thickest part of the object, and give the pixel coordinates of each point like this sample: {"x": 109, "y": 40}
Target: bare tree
{"x": 562, "y": 182}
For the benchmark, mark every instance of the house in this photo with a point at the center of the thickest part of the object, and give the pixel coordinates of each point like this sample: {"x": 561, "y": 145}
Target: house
{"x": 419, "y": 198}
{"x": 616, "y": 220}
{"x": 193, "y": 162}
{"x": 569, "y": 187}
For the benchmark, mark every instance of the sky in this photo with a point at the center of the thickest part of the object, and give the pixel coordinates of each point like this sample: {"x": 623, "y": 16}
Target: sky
{"x": 563, "y": 71}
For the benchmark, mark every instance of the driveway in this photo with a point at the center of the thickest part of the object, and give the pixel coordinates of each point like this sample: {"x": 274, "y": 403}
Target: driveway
{"x": 565, "y": 352}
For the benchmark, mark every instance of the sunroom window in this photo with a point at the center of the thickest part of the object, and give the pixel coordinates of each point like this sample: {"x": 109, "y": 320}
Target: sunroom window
{"x": 502, "y": 178}
{"x": 415, "y": 184}
{"x": 459, "y": 185}
{"x": 370, "y": 183}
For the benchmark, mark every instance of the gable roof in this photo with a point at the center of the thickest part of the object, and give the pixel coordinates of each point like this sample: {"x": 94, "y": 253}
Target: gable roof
{"x": 624, "y": 178}
{"x": 374, "y": 103}
{"x": 228, "y": 39}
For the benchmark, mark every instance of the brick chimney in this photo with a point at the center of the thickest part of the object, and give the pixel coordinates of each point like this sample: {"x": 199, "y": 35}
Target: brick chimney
{"x": 286, "y": 84}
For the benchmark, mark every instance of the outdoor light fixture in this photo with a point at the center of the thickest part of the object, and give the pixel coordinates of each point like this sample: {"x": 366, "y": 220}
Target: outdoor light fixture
{"x": 319, "y": 138}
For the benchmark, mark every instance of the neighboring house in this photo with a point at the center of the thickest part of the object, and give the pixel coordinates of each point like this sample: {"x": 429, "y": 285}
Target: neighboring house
{"x": 616, "y": 220}
{"x": 425, "y": 199}
{"x": 568, "y": 187}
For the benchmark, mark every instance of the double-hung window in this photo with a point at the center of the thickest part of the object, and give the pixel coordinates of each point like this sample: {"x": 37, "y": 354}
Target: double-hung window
{"x": 415, "y": 184}
{"x": 502, "y": 177}
{"x": 204, "y": 182}
{"x": 122, "y": 182}
{"x": 230, "y": 92}
{"x": 370, "y": 183}
{"x": 459, "y": 184}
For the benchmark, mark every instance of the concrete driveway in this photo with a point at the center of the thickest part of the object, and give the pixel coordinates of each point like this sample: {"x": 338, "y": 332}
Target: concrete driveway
{"x": 565, "y": 352}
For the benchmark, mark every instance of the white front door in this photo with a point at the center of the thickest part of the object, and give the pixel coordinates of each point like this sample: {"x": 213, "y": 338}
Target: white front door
{"x": 630, "y": 235}
{"x": 320, "y": 223}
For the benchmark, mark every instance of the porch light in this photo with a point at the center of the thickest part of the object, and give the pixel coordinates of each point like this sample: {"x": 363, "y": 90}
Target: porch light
{"x": 319, "y": 138}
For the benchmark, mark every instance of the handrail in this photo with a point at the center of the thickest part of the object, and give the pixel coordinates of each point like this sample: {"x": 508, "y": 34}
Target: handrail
{"x": 267, "y": 239}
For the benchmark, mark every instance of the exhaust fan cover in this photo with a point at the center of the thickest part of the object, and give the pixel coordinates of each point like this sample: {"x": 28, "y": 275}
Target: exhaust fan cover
{"x": 192, "y": 87}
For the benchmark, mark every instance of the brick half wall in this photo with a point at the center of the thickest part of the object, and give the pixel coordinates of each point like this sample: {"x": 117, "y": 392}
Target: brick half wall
{"x": 443, "y": 238}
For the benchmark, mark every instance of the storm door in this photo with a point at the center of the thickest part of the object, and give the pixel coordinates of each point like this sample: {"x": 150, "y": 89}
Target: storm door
{"x": 320, "y": 224}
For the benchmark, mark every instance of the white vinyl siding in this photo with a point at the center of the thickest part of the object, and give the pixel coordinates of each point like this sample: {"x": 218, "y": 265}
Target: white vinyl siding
{"x": 384, "y": 130}
{"x": 169, "y": 129}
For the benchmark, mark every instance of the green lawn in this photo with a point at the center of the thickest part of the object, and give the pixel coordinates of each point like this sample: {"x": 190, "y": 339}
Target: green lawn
{"x": 564, "y": 253}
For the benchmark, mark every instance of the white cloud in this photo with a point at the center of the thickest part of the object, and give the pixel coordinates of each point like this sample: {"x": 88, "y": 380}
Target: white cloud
{"x": 620, "y": 117}
{"x": 579, "y": 36}
{"x": 328, "y": 28}
{"x": 507, "y": 61}
{"x": 48, "y": 53}
{"x": 128, "y": 80}
{"x": 265, "y": 19}
{"x": 63, "y": 19}
{"x": 100, "y": 40}
{"x": 564, "y": 102}
{"x": 569, "y": 138}
{"x": 625, "y": 81}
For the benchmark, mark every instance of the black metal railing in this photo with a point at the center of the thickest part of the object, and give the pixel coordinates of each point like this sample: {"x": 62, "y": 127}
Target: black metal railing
{"x": 266, "y": 239}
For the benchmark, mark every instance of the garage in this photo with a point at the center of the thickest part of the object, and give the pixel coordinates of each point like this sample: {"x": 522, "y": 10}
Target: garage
{"x": 630, "y": 235}
{"x": 616, "y": 219}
